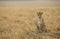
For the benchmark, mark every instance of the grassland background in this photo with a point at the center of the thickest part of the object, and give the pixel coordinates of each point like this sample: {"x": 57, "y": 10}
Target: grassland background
{"x": 21, "y": 22}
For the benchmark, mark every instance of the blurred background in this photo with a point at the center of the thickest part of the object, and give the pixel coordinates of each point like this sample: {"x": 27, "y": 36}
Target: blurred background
{"x": 29, "y": 3}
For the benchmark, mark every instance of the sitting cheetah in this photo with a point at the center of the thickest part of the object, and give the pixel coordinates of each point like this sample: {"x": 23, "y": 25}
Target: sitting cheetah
{"x": 40, "y": 23}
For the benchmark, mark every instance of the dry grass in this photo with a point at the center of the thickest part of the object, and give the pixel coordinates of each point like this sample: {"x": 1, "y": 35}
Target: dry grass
{"x": 20, "y": 23}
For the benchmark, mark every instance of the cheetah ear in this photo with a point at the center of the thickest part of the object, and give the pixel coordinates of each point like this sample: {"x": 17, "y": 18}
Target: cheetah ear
{"x": 39, "y": 13}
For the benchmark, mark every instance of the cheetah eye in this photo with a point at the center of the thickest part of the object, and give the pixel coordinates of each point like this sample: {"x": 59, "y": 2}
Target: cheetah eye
{"x": 38, "y": 14}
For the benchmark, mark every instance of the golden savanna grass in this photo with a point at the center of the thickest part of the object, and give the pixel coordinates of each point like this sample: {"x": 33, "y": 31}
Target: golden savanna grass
{"x": 21, "y": 23}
